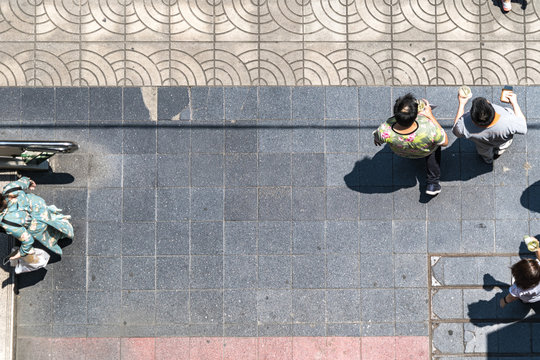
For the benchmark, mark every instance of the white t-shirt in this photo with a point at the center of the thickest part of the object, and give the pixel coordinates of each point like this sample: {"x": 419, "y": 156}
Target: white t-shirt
{"x": 530, "y": 295}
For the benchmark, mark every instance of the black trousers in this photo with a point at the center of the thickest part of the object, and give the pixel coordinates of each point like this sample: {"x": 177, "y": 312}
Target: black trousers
{"x": 433, "y": 166}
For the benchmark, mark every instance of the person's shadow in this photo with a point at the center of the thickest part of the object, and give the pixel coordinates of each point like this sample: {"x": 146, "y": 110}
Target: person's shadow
{"x": 498, "y": 3}
{"x": 530, "y": 198}
{"x": 386, "y": 172}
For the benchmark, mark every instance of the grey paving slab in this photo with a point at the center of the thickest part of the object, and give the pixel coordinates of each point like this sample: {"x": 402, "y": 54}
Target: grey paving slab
{"x": 308, "y": 237}
{"x": 207, "y": 203}
{"x": 177, "y": 265}
{"x": 308, "y": 102}
{"x": 308, "y": 271}
{"x": 308, "y": 203}
{"x": 342, "y": 237}
{"x": 104, "y": 273}
{"x": 140, "y": 139}
{"x": 173, "y": 103}
{"x": 173, "y": 307}
{"x": 343, "y": 306}
{"x": 69, "y": 306}
{"x": 342, "y": 204}
{"x": 275, "y": 136}
{"x": 172, "y": 238}
{"x": 70, "y": 104}
{"x": 138, "y": 273}
{"x": 37, "y": 104}
{"x": 240, "y": 307}
{"x": 105, "y": 103}
{"x": 308, "y": 306}
{"x": 240, "y": 170}
{"x": 378, "y": 305}
{"x": 448, "y": 338}
{"x": 379, "y": 230}
{"x": 341, "y": 103}
{"x": 136, "y": 170}
{"x": 172, "y": 138}
{"x": 477, "y": 236}
{"x": 343, "y": 271}
{"x": 274, "y": 170}
{"x": 275, "y": 237}
{"x": 341, "y": 136}
{"x": 208, "y": 138}
{"x": 206, "y": 307}
{"x": 241, "y": 103}
{"x": 206, "y": 104}
{"x": 274, "y": 306}
{"x": 447, "y": 304}
{"x": 444, "y": 236}
{"x": 138, "y": 238}
{"x": 104, "y": 307}
{"x": 409, "y": 236}
{"x": 275, "y": 272}
{"x": 410, "y": 270}
{"x": 240, "y": 271}
{"x": 241, "y": 204}
{"x": 275, "y": 103}
{"x": 306, "y": 136}
{"x": 240, "y": 237}
{"x": 206, "y": 272}
{"x": 241, "y": 139}
{"x": 138, "y": 308}
{"x": 70, "y": 273}
{"x": 371, "y": 276}
{"x": 274, "y": 203}
{"x": 308, "y": 170}
{"x": 11, "y": 103}
{"x": 139, "y": 204}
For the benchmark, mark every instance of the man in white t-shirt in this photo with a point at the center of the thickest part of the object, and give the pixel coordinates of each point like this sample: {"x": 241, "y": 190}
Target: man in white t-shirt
{"x": 490, "y": 127}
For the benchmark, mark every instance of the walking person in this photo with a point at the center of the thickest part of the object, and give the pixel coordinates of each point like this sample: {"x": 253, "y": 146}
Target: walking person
{"x": 414, "y": 135}
{"x": 28, "y": 218}
{"x": 491, "y": 127}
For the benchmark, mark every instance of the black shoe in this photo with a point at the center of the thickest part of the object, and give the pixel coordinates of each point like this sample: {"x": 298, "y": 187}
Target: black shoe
{"x": 433, "y": 189}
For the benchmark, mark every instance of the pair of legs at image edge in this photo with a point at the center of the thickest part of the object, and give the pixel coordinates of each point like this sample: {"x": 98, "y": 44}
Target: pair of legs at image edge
{"x": 489, "y": 153}
{"x": 433, "y": 167}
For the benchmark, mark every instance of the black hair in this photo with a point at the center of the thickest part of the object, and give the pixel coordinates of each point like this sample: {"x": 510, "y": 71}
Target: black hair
{"x": 3, "y": 202}
{"x": 482, "y": 112}
{"x": 406, "y": 110}
{"x": 526, "y": 273}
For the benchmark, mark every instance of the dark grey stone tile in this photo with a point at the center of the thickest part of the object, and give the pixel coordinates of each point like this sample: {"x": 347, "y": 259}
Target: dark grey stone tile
{"x": 69, "y": 307}
{"x": 172, "y": 138}
{"x": 78, "y": 246}
{"x": 507, "y": 234}
{"x": 240, "y": 237}
{"x": 378, "y": 328}
{"x": 419, "y": 92}
{"x": 37, "y": 104}
{"x": 241, "y": 139}
{"x": 275, "y": 237}
{"x": 10, "y": 102}
{"x": 206, "y": 272}
{"x": 460, "y": 271}
{"x": 411, "y": 304}
{"x": 274, "y": 203}
{"x": 308, "y": 102}
{"x": 240, "y": 330}
{"x": 104, "y": 171}
{"x": 377, "y": 204}
{"x": 447, "y": 303}
{"x": 241, "y": 103}
{"x": 173, "y": 103}
{"x": 178, "y": 267}
{"x": 309, "y": 330}
{"x": 275, "y": 272}
{"x": 105, "y": 103}
{"x": 240, "y": 170}
{"x": 74, "y": 202}
{"x": 173, "y": 307}
{"x": 342, "y": 237}
{"x": 35, "y": 308}
{"x": 343, "y": 329}
{"x": 407, "y": 172}
{"x": 309, "y": 271}
{"x": 240, "y": 272}
{"x": 105, "y": 139}
{"x": 341, "y": 103}
{"x": 377, "y": 305}
{"x": 474, "y": 171}
{"x": 134, "y": 107}
{"x": 139, "y": 204}
{"x": 343, "y": 306}
{"x": 414, "y": 328}
{"x": 308, "y": 306}
{"x": 275, "y": 136}
{"x": 478, "y": 202}
{"x": 371, "y": 275}
{"x": 274, "y": 306}
{"x": 138, "y": 308}
{"x": 445, "y": 97}
{"x": 472, "y": 231}
{"x": 511, "y": 169}
{"x": 410, "y": 236}
{"x": 207, "y": 103}
{"x": 74, "y": 167}
{"x": 342, "y": 204}
{"x": 173, "y": 204}
{"x": 71, "y": 104}
{"x": 104, "y": 307}
{"x": 140, "y": 139}
{"x": 70, "y": 273}
{"x": 104, "y": 273}
{"x": 495, "y": 266}
{"x": 274, "y": 170}
{"x": 343, "y": 271}
{"x": 444, "y": 236}
{"x": 199, "y": 330}
{"x": 207, "y": 203}
{"x": 63, "y": 331}
{"x": 206, "y": 170}
{"x": 341, "y": 136}
{"x": 275, "y": 330}
{"x": 138, "y": 273}
{"x": 172, "y": 238}
{"x": 274, "y": 102}
{"x": 308, "y": 237}
{"x": 308, "y": 170}
{"x": 241, "y": 204}
{"x": 375, "y": 229}
{"x": 446, "y": 205}
{"x": 206, "y": 307}
{"x": 138, "y": 330}
{"x": 508, "y": 203}
{"x": 308, "y": 203}
{"x": 173, "y": 170}
{"x": 407, "y": 204}
{"x": 448, "y": 338}
{"x": 532, "y": 104}
{"x": 104, "y": 330}
{"x": 208, "y": 139}
{"x": 206, "y": 238}
{"x": 139, "y": 170}
{"x": 240, "y": 307}
{"x": 308, "y": 136}
{"x": 367, "y": 97}
{"x": 172, "y": 330}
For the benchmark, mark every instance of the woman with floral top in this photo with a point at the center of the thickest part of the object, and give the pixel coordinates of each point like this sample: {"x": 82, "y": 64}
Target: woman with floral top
{"x": 28, "y": 218}
{"x": 414, "y": 135}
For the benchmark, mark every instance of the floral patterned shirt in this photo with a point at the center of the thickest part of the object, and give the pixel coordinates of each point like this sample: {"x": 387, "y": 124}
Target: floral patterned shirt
{"x": 417, "y": 144}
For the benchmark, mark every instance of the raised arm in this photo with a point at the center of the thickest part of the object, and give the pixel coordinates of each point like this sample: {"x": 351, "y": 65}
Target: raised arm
{"x": 512, "y": 97}
{"x": 429, "y": 114}
{"x": 462, "y": 101}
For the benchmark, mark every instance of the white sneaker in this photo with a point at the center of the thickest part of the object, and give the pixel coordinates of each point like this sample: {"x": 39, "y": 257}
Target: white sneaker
{"x": 507, "y": 5}
{"x": 503, "y": 147}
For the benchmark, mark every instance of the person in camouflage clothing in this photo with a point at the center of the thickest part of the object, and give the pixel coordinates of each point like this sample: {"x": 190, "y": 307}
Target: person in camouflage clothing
{"x": 28, "y": 218}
